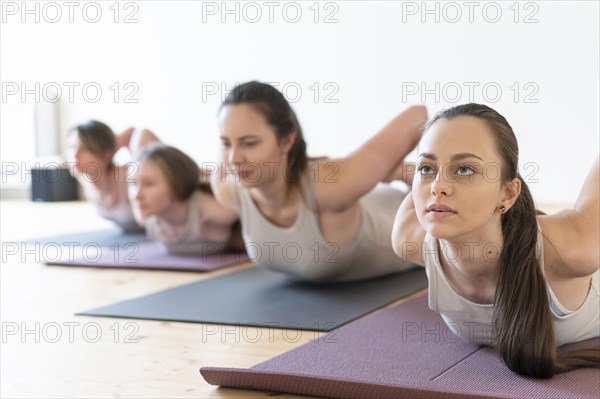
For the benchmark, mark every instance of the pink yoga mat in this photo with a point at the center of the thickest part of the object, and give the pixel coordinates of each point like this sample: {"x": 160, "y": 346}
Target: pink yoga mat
{"x": 402, "y": 352}
{"x": 152, "y": 256}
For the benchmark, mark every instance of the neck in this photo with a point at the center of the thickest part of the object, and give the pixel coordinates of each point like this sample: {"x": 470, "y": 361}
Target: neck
{"x": 101, "y": 178}
{"x": 472, "y": 262}
{"x": 176, "y": 214}
{"x": 274, "y": 194}
{"x": 102, "y": 185}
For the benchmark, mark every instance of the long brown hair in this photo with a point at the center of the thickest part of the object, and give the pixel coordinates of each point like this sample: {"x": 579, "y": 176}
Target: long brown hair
{"x": 184, "y": 177}
{"x": 272, "y": 104}
{"x": 181, "y": 171}
{"x": 522, "y": 319}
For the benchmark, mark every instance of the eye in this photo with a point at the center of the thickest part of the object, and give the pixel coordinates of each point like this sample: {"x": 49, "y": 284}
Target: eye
{"x": 225, "y": 144}
{"x": 464, "y": 170}
{"x": 425, "y": 169}
{"x": 249, "y": 143}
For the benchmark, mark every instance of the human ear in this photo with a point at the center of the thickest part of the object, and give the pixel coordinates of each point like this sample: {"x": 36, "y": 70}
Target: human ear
{"x": 512, "y": 190}
{"x": 287, "y": 142}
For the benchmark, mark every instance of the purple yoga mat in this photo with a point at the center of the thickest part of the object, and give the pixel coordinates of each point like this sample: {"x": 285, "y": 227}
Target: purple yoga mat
{"x": 152, "y": 256}
{"x": 401, "y": 352}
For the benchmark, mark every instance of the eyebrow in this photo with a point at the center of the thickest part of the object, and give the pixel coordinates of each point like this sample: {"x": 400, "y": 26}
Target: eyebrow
{"x": 455, "y": 157}
{"x": 249, "y": 136}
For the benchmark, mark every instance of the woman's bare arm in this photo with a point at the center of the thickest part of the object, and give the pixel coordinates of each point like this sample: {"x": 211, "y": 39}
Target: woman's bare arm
{"x": 575, "y": 233}
{"x": 140, "y": 139}
{"x": 407, "y": 234}
{"x": 223, "y": 189}
{"x": 343, "y": 181}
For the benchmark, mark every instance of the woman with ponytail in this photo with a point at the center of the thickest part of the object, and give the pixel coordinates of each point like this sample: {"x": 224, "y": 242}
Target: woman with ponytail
{"x": 500, "y": 273}
{"x": 173, "y": 200}
{"x": 316, "y": 219}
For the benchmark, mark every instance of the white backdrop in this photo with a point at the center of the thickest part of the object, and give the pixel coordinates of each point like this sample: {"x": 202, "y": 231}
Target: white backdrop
{"x": 347, "y": 66}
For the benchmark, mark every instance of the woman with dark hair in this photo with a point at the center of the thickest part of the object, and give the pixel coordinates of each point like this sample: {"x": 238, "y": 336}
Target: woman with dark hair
{"x": 92, "y": 147}
{"x": 317, "y": 219}
{"x": 500, "y": 273}
{"x": 173, "y": 200}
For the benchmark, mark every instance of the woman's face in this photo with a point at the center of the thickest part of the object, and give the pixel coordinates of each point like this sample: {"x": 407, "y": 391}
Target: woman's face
{"x": 250, "y": 146}
{"x": 84, "y": 161}
{"x": 150, "y": 191}
{"x": 457, "y": 186}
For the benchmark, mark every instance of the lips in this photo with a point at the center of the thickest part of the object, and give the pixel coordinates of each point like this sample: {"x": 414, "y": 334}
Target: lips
{"x": 440, "y": 208}
{"x": 242, "y": 175}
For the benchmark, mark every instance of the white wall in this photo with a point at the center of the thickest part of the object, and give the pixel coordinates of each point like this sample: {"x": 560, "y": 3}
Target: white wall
{"x": 366, "y": 61}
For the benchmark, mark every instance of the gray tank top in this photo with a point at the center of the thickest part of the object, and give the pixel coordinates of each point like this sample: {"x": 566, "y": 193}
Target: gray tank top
{"x": 300, "y": 250}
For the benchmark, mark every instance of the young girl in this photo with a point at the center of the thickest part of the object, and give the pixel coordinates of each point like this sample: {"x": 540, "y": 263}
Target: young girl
{"x": 92, "y": 147}
{"x": 176, "y": 207}
{"x": 317, "y": 219}
{"x": 500, "y": 274}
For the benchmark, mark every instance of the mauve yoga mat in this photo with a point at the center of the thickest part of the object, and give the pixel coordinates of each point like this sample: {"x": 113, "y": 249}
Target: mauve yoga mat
{"x": 259, "y": 297}
{"x": 401, "y": 352}
{"x": 96, "y": 238}
{"x": 152, "y": 256}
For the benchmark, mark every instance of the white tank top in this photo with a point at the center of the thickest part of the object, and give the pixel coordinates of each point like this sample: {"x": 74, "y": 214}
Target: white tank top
{"x": 301, "y": 250}
{"x": 192, "y": 237}
{"x": 473, "y": 321}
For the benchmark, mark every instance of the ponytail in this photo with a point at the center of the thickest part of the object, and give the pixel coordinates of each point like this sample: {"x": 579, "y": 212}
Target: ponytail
{"x": 525, "y": 334}
{"x": 524, "y": 330}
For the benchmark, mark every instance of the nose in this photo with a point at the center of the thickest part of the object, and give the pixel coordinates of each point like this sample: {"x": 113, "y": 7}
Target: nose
{"x": 441, "y": 186}
{"x": 234, "y": 155}
{"x": 135, "y": 192}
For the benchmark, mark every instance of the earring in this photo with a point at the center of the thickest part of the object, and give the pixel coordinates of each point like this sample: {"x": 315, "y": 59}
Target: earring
{"x": 502, "y": 208}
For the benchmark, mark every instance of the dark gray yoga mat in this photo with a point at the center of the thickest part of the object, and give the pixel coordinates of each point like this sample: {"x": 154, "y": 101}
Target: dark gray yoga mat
{"x": 259, "y": 297}
{"x": 402, "y": 352}
{"x": 151, "y": 256}
{"x": 97, "y": 238}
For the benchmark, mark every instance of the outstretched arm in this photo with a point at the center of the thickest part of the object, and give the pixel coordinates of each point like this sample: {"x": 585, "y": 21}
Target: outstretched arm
{"x": 218, "y": 213}
{"x": 355, "y": 175}
{"x": 587, "y": 207}
{"x": 575, "y": 233}
{"x": 136, "y": 140}
{"x": 405, "y": 171}
{"x": 588, "y": 203}
{"x": 407, "y": 233}
{"x": 223, "y": 189}
{"x": 124, "y": 138}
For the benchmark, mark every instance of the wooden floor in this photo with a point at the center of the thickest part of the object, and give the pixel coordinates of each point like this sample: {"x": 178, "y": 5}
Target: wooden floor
{"x": 47, "y": 351}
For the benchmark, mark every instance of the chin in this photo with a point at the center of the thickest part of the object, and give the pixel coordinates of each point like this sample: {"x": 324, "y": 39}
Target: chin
{"x": 145, "y": 214}
{"x": 249, "y": 183}
{"x": 246, "y": 184}
{"x": 440, "y": 231}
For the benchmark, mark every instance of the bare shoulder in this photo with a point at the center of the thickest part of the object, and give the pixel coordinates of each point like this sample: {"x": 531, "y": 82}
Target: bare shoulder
{"x": 324, "y": 173}
{"x": 408, "y": 237}
{"x": 214, "y": 210}
{"x": 567, "y": 250}
{"x": 224, "y": 192}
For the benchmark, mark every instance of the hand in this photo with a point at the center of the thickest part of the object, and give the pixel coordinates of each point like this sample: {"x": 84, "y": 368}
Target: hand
{"x": 124, "y": 138}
